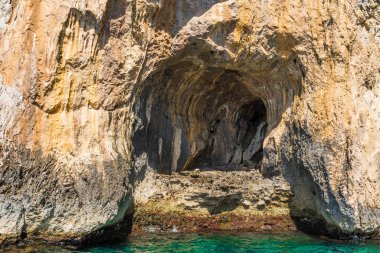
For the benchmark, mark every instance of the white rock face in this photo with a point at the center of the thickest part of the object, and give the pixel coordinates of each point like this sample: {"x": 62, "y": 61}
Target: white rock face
{"x": 5, "y": 9}
{"x": 93, "y": 93}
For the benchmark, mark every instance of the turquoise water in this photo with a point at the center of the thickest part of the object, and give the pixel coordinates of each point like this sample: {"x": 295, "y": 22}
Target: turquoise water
{"x": 226, "y": 242}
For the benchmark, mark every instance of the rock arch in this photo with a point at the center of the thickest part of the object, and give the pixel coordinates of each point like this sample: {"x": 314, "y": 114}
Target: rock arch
{"x": 193, "y": 114}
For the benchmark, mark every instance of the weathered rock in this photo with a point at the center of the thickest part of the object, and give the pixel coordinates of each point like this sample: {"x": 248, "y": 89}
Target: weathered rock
{"x": 93, "y": 94}
{"x": 246, "y": 203}
{"x": 212, "y": 200}
{"x": 260, "y": 205}
{"x": 5, "y": 8}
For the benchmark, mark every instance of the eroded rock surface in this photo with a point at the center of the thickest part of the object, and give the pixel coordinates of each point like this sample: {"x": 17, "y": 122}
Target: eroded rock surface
{"x": 95, "y": 94}
{"x": 201, "y": 200}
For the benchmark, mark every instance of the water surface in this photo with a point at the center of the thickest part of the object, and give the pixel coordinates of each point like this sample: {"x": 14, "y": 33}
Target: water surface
{"x": 223, "y": 243}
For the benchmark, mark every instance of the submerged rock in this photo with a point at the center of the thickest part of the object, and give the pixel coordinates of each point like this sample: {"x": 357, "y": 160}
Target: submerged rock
{"x": 95, "y": 95}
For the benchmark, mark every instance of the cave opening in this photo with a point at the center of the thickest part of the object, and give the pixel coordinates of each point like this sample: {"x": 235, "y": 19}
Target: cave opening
{"x": 199, "y": 118}
{"x": 212, "y": 128}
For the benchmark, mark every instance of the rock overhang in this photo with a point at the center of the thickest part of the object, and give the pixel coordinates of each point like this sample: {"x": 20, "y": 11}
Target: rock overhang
{"x": 303, "y": 61}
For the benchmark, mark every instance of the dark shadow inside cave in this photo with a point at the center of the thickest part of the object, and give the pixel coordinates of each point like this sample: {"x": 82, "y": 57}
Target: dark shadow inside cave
{"x": 198, "y": 118}
{"x": 233, "y": 142}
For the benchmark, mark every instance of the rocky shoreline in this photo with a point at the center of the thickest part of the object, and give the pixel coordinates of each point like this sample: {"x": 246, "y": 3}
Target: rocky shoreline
{"x": 222, "y": 222}
{"x": 212, "y": 200}
{"x": 195, "y": 201}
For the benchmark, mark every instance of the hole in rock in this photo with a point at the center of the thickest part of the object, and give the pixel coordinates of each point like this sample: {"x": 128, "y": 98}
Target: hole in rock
{"x": 199, "y": 118}
{"x": 197, "y": 110}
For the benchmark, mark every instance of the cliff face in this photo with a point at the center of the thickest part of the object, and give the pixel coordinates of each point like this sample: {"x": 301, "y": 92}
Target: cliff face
{"x": 96, "y": 94}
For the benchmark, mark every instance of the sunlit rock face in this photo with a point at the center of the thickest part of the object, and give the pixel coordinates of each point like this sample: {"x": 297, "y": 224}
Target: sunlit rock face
{"x": 95, "y": 93}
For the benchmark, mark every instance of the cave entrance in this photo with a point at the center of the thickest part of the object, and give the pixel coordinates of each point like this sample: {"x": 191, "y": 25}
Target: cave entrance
{"x": 191, "y": 117}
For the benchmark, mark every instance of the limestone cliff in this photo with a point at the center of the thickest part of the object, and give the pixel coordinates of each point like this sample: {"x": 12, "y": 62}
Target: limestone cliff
{"x": 96, "y": 95}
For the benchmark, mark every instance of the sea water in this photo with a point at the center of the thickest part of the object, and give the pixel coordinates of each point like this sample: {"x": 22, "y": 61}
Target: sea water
{"x": 223, "y": 243}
